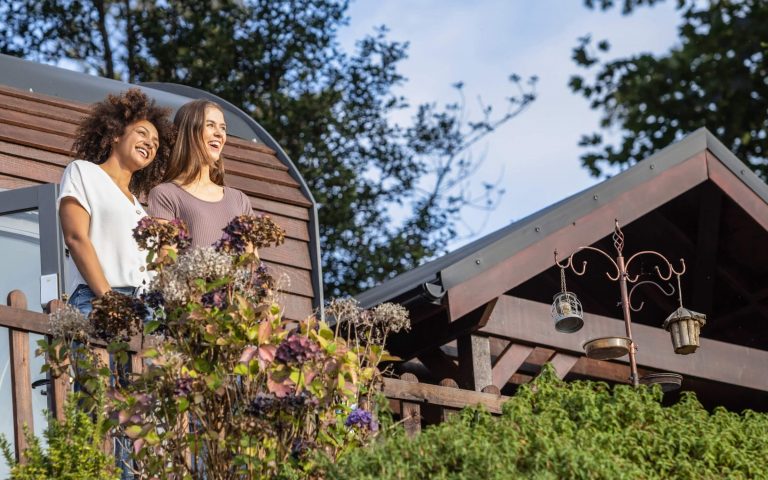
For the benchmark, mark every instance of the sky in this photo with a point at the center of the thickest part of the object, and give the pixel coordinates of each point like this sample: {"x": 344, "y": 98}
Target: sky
{"x": 481, "y": 43}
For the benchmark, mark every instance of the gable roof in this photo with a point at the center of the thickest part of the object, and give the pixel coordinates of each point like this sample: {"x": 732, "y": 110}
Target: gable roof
{"x": 671, "y": 172}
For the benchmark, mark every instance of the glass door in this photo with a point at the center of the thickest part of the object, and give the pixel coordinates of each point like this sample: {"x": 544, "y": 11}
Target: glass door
{"x": 31, "y": 252}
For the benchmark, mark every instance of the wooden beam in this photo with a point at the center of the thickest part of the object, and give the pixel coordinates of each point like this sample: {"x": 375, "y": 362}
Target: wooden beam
{"x": 442, "y": 396}
{"x": 509, "y": 362}
{"x": 437, "y": 331}
{"x": 524, "y": 321}
{"x": 563, "y": 363}
{"x": 475, "y": 361}
{"x": 627, "y": 206}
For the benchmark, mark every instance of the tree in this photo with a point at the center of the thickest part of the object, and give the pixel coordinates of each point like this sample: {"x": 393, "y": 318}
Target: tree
{"x": 715, "y": 78}
{"x": 280, "y": 61}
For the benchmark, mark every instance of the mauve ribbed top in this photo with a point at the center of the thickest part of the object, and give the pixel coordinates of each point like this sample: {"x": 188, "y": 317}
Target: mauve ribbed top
{"x": 204, "y": 219}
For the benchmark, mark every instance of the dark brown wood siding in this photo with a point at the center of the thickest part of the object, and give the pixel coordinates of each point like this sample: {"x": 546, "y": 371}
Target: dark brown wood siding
{"x": 36, "y": 134}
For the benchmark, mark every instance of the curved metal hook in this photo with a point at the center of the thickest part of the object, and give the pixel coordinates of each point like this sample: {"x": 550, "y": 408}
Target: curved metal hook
{"x": 670, "y": 269}
{"x": 570, "y": 263}
{"x": 629, "y": 296}
{"x": 612, "y": 261}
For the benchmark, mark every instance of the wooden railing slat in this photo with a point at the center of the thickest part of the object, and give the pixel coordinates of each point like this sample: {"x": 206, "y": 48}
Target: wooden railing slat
{"x": 21, "y": 386}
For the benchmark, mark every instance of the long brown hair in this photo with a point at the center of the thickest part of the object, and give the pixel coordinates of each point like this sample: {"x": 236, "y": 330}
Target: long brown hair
{"x": 108, "y": 119}
{"x": 190, "y": 153}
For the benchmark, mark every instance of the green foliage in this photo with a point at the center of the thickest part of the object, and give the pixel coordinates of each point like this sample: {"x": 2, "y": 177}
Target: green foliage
{"x": 714, "y": 77}
{"x": 74, "y": 449}
{"x": 576, "y": 430}
{"x": 281, "y": 62}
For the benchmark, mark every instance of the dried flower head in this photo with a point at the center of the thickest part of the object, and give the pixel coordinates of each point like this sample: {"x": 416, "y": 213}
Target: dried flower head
{"x": 154, "y": 234}
{"x": 257, "y": 231}
{"x": 178, "y": 282}
{"x": 394, "y": 316}
{"x": 116, "y": 316}
{"x": 297, "y": 350}
{"x": 261, "y": 405}
{"x": 68, "y": 323}
{"x": 343, "y": 310}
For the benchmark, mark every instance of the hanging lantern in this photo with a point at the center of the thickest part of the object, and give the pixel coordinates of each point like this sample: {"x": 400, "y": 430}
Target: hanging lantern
{"x": 684, "y": 326}
{"x": 566, "y": 309}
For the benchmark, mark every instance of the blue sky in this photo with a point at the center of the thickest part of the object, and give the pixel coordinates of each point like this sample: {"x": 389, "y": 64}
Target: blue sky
{"x": 480, "y": 43}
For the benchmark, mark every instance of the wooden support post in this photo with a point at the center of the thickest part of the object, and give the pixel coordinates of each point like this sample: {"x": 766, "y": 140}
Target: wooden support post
{"x": 410, "y": 411}
{"x": 446, "y": 413}
{"x": 475, "y": 361}
{"x": 21, "y": 380}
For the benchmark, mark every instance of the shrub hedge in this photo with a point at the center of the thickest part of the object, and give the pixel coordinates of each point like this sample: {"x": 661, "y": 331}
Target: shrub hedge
{"x": 576, "y": 430}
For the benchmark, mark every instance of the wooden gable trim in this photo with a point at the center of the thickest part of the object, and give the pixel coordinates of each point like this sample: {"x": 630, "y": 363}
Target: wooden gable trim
{"x": 627, "y": 207}
{"x": 734, "y": 188}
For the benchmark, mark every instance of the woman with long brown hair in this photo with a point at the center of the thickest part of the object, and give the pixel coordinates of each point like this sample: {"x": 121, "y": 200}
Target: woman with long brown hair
{"x": 121, "y": 150}
{"x": 193, "y": 187}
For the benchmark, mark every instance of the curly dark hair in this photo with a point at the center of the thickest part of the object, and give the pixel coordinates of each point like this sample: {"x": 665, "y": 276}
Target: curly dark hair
{"x": 108, "y": 120}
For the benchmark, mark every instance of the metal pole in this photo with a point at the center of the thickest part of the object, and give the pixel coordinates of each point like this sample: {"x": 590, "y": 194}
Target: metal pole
{"x": 627, "y": 320}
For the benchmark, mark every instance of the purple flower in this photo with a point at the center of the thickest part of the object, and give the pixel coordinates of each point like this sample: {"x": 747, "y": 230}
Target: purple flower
{"x": 216, "y": 298}
{"x": 297, "y": 349}
{"x": 183, "y": 386}
{"x": 362, "y": 418}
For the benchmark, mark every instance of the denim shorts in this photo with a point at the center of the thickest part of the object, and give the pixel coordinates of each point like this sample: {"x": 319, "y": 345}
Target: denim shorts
{"x": 82, "y": 297}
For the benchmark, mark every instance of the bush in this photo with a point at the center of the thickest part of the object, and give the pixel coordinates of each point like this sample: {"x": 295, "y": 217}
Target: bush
{"x": 75, "y": 450}
{"x": 229, "y": 388}
{"x": 577, "y": 430}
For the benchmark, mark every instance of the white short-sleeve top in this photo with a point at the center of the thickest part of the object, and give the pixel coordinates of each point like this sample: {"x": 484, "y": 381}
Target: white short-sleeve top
{"x": 113, "y": 218}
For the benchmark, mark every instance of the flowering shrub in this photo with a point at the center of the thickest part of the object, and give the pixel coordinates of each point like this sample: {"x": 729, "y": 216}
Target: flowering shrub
{"x": 229, "y": 388}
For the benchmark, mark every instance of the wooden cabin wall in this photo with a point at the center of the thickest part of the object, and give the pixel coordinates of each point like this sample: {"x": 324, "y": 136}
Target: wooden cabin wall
{"x": 36, "y": 135}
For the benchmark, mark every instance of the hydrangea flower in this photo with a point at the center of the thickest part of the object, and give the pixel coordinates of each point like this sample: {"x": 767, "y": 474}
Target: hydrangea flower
{"x": 116, "y": 316}
{"x": 296, "y": 350}
{"x": 251, "y": 230}
{"x": 361, "y": 418}
{"x": 153, "y": 234}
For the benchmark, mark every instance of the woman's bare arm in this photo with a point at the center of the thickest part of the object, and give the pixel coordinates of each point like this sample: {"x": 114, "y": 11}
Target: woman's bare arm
{"x": 75, "y": 224}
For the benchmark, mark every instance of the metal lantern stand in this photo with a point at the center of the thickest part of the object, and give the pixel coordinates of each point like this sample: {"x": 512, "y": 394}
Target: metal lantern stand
{"x": 615, "y": 347}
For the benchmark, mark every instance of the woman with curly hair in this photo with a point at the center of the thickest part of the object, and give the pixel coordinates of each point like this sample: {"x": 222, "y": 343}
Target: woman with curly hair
{"x": 122, "y": 148}
{"x": 193, "y": 185}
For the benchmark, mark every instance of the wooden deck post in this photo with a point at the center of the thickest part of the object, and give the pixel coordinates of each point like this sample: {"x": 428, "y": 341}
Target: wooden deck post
{"x": 21, "y": 380}
{"x": 61, "y": 385}
{"x": 410, "y": 411}
{"x": 446, "y": 413}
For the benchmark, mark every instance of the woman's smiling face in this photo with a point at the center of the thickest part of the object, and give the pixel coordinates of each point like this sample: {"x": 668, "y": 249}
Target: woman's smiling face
{"x": 138, "y": 145}
{"x": 214, "y": 133}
